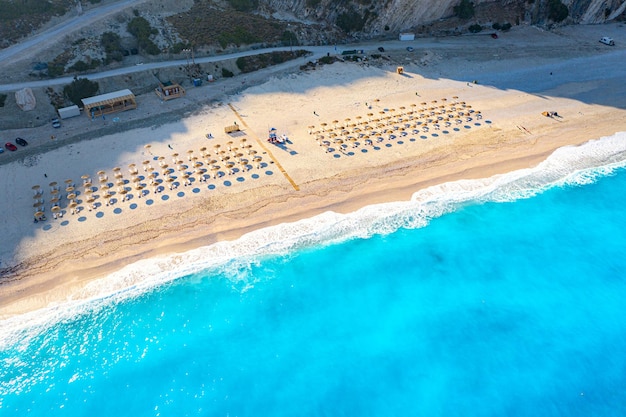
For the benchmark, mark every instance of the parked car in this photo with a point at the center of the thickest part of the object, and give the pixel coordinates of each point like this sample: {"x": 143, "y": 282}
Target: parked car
{"x": 56, "y": 123}
{"x": 21, "y": 142}
{"x": 10, "y": 146}
{"x": 607, "y": 41}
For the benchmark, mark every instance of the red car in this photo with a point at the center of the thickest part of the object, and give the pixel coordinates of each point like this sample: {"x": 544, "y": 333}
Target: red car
{"x": 10, "y": 146}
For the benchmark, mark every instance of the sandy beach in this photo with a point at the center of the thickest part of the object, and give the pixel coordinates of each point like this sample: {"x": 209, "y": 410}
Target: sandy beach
{"x": 474, "y": 130}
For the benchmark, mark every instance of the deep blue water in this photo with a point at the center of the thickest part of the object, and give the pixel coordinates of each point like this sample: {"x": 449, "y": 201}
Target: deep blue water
{"x": 509, "y": 308}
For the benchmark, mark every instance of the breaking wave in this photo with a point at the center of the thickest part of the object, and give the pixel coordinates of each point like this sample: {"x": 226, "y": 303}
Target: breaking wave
{"x": 567, "y": 166}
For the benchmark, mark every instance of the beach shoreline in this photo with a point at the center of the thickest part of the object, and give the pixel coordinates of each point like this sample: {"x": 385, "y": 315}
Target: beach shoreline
{"x": 53, "y": 265}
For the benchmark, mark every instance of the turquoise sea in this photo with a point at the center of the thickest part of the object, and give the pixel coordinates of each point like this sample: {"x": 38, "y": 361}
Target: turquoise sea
{"x": 498, "y": 297}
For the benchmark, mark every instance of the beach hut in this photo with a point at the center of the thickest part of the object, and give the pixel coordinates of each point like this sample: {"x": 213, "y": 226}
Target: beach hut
{"x": 168, "y": 91}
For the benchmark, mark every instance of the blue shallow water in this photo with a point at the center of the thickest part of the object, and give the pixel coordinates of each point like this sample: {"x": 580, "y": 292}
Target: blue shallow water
{"x": 495, "y": 309}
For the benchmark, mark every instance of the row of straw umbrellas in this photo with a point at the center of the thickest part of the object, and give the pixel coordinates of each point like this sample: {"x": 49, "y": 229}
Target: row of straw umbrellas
{"x": 437, "y": 114}
{"x": 118, "y": 186}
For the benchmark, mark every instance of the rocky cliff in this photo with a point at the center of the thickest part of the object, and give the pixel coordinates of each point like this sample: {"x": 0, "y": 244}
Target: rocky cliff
{"x": 370, "y": 18}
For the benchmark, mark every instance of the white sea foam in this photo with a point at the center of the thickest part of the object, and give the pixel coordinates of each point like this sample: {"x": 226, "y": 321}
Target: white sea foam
{"x": 567, "y": 166}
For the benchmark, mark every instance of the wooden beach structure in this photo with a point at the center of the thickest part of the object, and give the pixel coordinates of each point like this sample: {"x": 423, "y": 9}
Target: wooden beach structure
{"x": 169, "y": 90}
{"x": 116, "y": 101}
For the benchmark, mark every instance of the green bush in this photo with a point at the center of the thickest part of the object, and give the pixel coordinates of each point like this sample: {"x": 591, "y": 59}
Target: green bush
{"x": 557, "y": 11}
{"x": 506, "y": 27}
{"x": 3, "y": 99}
{"x": 226, "y": 73}
{"x": 25, "y": 8}
{"x": 289, "y": 38}
{"x": 496, "y": 26}
{"x": 465, "y": 10}
{"x": 243, "y": 5}
{"x": 178, "y": 47}
{"x": 312, "y": 3}
{"x": 475, "y": 28}
{"x": 242, "y": 63}
{"x": 79, "y": 66}
{"x": 238, "y": 36}
{"x": 79, "y": 89}
{"x": 351, "y": 21}
{"x": 111, "y": 42}
{"x": 140, "y": 28}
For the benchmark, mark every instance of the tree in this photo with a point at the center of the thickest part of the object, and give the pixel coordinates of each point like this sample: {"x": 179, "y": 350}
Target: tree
{"x": 557, "y": 11}
{"x": 79, "y": 89}
{"x": 465, "y": 9}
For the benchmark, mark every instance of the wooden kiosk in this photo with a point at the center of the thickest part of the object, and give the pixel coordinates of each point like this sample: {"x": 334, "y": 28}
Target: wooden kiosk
{"x": 168, "y": 91}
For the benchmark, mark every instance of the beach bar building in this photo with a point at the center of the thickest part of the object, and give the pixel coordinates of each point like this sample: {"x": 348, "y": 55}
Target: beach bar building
{"x": 168, "y": 90}
{"x": 108, "y": 103}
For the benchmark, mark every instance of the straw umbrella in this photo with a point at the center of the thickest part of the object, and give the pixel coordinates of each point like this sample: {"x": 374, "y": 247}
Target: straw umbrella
{"x": 90, "y": 201}
{"x": 229, "y": 166}
{"x": 189, "y": 154}
{"x": 37, "y": 190}
{"x": 229, "y": 145}
{"x": 258, "y": 159}
{"x": 203, "y": 152}
{"x": 72, "y": 206}
{"x": 139, "y": 187}
{"x": 39, "y": 215}
{"x": 215, "y": 169}
{"x": 175, "y": 157}
{"x": 216, "y": 148}
{"x": 147, "y": 147}
{"x": 53, "y": 185}
{"x": 170, "y": 179}
{"x": 244, "y": 164}
{"x": 123, "y": 191}
{"x": 107, "y": 197}
{"x": 145, "y": 164}
{"x": 55, "y": 211}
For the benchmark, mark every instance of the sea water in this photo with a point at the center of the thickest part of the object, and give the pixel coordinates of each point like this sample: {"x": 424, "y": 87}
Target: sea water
{"x": 498, "y": 297}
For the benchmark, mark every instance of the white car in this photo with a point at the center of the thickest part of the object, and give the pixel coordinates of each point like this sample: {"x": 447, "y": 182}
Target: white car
{"x": 56, "y": 123}
{"x": 607, "y": 41}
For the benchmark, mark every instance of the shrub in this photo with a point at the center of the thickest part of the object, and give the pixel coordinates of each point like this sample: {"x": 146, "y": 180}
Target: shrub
{"x": 140, "y": 28}
{"x": 110, "y": 42}
{"x": 79, "y": 66}
{"x": 289, "y": 38}
{"x": 350, "y": 21}
{"x": 506, "y": 27}
{"x": 465, "y": 10}
{"x": 242, "y": 63}
{"x": 79, "y": 89}
{"x": 226, "y": 73}
{"x": 475, "y": 28}
{"x": 496, "y": 26}
{"x": 243, "y": 5}
{"x": 557, "y": 11}
{"x": 326, "y": 60}
{"x": 3, "y": 99}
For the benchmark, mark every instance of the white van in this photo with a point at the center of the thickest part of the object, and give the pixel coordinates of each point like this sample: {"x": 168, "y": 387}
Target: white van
{"x": 607, "y": 41}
